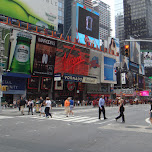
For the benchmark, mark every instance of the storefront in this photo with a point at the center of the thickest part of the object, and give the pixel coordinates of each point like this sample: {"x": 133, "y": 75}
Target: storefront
{"x": 16, "y": 88}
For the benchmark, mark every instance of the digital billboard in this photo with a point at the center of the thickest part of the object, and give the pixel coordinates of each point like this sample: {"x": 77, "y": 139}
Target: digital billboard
{"x": 135, "y": 55}
{"x": 72, "y": 59}
{"x": 87, "y": 26}
{"x": 43, "y": 13}
{"x": 109, "y": 69}
{"x": 21, "y": 54}
{"x": 144, "y": 93}
{"x": 113, "y": 46}
{"x": 44, "y": 58}
{"x": 95, "y": 63}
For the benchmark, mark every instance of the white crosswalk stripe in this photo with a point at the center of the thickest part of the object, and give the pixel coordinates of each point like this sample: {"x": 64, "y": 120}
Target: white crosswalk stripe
{"x": 75, "y": 119}
{"x": 5, "y": 117}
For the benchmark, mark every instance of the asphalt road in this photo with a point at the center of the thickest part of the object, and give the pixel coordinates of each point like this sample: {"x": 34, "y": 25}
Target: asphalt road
{"x": 82, "y": 132}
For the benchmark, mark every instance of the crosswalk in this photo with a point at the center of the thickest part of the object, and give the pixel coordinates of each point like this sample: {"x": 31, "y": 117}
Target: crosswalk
{"x": 73, "y": 119}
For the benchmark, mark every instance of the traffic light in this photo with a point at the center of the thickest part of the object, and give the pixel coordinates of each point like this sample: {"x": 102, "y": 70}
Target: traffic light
{"x": 127, "y": 50}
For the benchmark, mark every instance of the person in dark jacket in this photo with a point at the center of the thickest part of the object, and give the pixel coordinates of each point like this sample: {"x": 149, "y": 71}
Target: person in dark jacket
{"x": 121, "y": 110}
{"x": 22, "y": 105}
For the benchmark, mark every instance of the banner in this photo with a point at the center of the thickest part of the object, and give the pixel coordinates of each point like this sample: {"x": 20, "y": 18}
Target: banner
{"x": 43, "y": 13}
{"x": 44, "y": 58}
{"x": 109, "y": 69}
{"x": 22, "y": 53}
{"x": 95, "y": 64}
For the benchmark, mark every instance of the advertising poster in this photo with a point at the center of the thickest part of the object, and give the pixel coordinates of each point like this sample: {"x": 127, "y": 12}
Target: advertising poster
{"x": 87, "y": 26}
{"x": 59, "y": 85}
{"x": 21, "y": 54}
{"x": 113, "y": 46}
{"x": 72, "y": 59}
{"x": 125, "y": 64}
{"x": 141, "y": 69}
{"x": 134, "y": 67}
{"x": 33, "y": 82}
{"x": 44, "y": 58}
{"x": 109, "y": 69}
{"x": 43, "y": 13}
{"x": 15, "y": 85}
{"x": 46, "y": 83}
{"x": 135, "y": 55}
{"x": 95, "y": 64}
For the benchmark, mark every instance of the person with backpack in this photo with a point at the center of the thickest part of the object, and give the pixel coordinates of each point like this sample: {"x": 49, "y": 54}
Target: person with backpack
{"x": 121, "y": 110}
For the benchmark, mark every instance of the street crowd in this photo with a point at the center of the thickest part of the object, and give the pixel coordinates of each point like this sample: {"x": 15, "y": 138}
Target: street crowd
{"x": 45, "y": 106}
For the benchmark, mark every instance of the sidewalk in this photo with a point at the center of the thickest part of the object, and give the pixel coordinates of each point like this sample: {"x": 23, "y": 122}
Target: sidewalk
{"x": 16, "y": 112}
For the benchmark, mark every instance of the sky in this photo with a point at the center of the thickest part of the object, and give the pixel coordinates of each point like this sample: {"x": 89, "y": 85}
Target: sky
{"x": 111, "y": 4}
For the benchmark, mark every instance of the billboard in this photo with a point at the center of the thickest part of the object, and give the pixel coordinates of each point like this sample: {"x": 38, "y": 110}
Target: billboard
{"x": 95, "y": 64}
{"x": 72, "y": 59}
{"x": 144, "y": 93}
{"x": 135, "y": 55}
{"x": 87, "y": 26}
{"x": 109, "y": 69}
{"x": 113, "y": 46}
{"x": 21, "y": 54}
{"x": 37, "y": 12}
{"x": 44, "y": 58}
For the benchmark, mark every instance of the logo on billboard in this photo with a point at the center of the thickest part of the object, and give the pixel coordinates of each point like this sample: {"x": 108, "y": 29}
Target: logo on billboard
{"x": 94, "y": 63}
{"x": 71, "y": 86}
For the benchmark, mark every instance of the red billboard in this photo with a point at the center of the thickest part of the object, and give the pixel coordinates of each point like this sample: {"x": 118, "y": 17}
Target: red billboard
{"x": 71, "y": 59}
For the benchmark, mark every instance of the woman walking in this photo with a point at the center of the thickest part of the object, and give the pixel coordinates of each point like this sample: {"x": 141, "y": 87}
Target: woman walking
{"x": 30, "y": 106}
{"x": 121, "y": 110}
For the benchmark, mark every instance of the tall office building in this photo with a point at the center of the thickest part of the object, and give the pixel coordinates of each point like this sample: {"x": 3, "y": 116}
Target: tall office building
{"x": 88, "y": 3}
{"x": 60, "y": 16}
{"x": 105, "y": 18}
{"x": 138, "y": 20}
{"x": 119, "y": 20}
{"x": 68, "y": 15}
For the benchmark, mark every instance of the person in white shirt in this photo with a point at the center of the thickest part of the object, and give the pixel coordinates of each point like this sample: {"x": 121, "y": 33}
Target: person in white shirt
{"x": 30, "y": 106}
{"x": 47, "y": 108}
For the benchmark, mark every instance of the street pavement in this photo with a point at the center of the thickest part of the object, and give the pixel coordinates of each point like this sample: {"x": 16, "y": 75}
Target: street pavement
{"x": 83, "y": 132}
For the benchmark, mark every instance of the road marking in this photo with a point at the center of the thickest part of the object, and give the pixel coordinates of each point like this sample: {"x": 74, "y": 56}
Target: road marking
{"x": 130, "y": 128}
{"x": 5, "y": 117}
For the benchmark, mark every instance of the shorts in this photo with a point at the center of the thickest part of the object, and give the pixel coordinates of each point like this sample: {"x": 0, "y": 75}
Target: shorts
{"x": 42, "y": 109}
{"x": 71, "y": 107}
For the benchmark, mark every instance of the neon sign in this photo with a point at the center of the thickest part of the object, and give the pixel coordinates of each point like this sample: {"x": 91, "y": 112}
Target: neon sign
{"x": 72, "y": 59}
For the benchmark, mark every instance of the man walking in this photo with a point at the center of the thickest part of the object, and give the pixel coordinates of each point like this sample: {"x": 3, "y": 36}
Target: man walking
{"x": 101, "y": 107}
{"x": 22, "y": 105}
{"x": 67, "y": 106}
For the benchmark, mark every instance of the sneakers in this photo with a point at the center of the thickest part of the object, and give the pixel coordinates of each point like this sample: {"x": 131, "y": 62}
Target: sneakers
{"x": 105, "y": 118}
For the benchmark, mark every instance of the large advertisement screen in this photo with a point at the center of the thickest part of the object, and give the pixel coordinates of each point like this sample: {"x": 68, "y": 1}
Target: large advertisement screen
{"x": 87, "y": 24}
{"x": 135, "y": 55}
{"x": 109, "y": 69}
{"x": 95, "y": 64}
{"x": 38, "y": 12}
{"x": 113, "y": 46}
{"x": 21, "y": 54}
{"x": 44, "y": 58}
{"x": 72, "y": 59}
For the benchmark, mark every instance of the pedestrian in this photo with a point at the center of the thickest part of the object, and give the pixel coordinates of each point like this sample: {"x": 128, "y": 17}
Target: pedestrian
{"x": 121, "y": 110}
{"x": 30, "y": 106}
{"x": 71, "y": 106}
{"x": 22, "y": 105}
{"x": 150, "y": 111}
{"x": 78, "y": 102}
{"x": 42, "y": 106}
{"x": 67, "y": 106}
{"x": 18, "y": 104}
{"x": 101, "y": 107}
{"x": 47, "y": 108}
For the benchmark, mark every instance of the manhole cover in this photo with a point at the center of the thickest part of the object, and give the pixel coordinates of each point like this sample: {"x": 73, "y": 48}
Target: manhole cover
{"x": 132, "y": 127}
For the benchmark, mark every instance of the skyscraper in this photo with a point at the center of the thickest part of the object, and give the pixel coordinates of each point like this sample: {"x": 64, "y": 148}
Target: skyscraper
{"x": 105, "y": 18}
{"x": 119, "y": 20}
{"x": 60, "y": 16}
{"x": 88, "y": 3}
{"x": 138, "y": 20}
